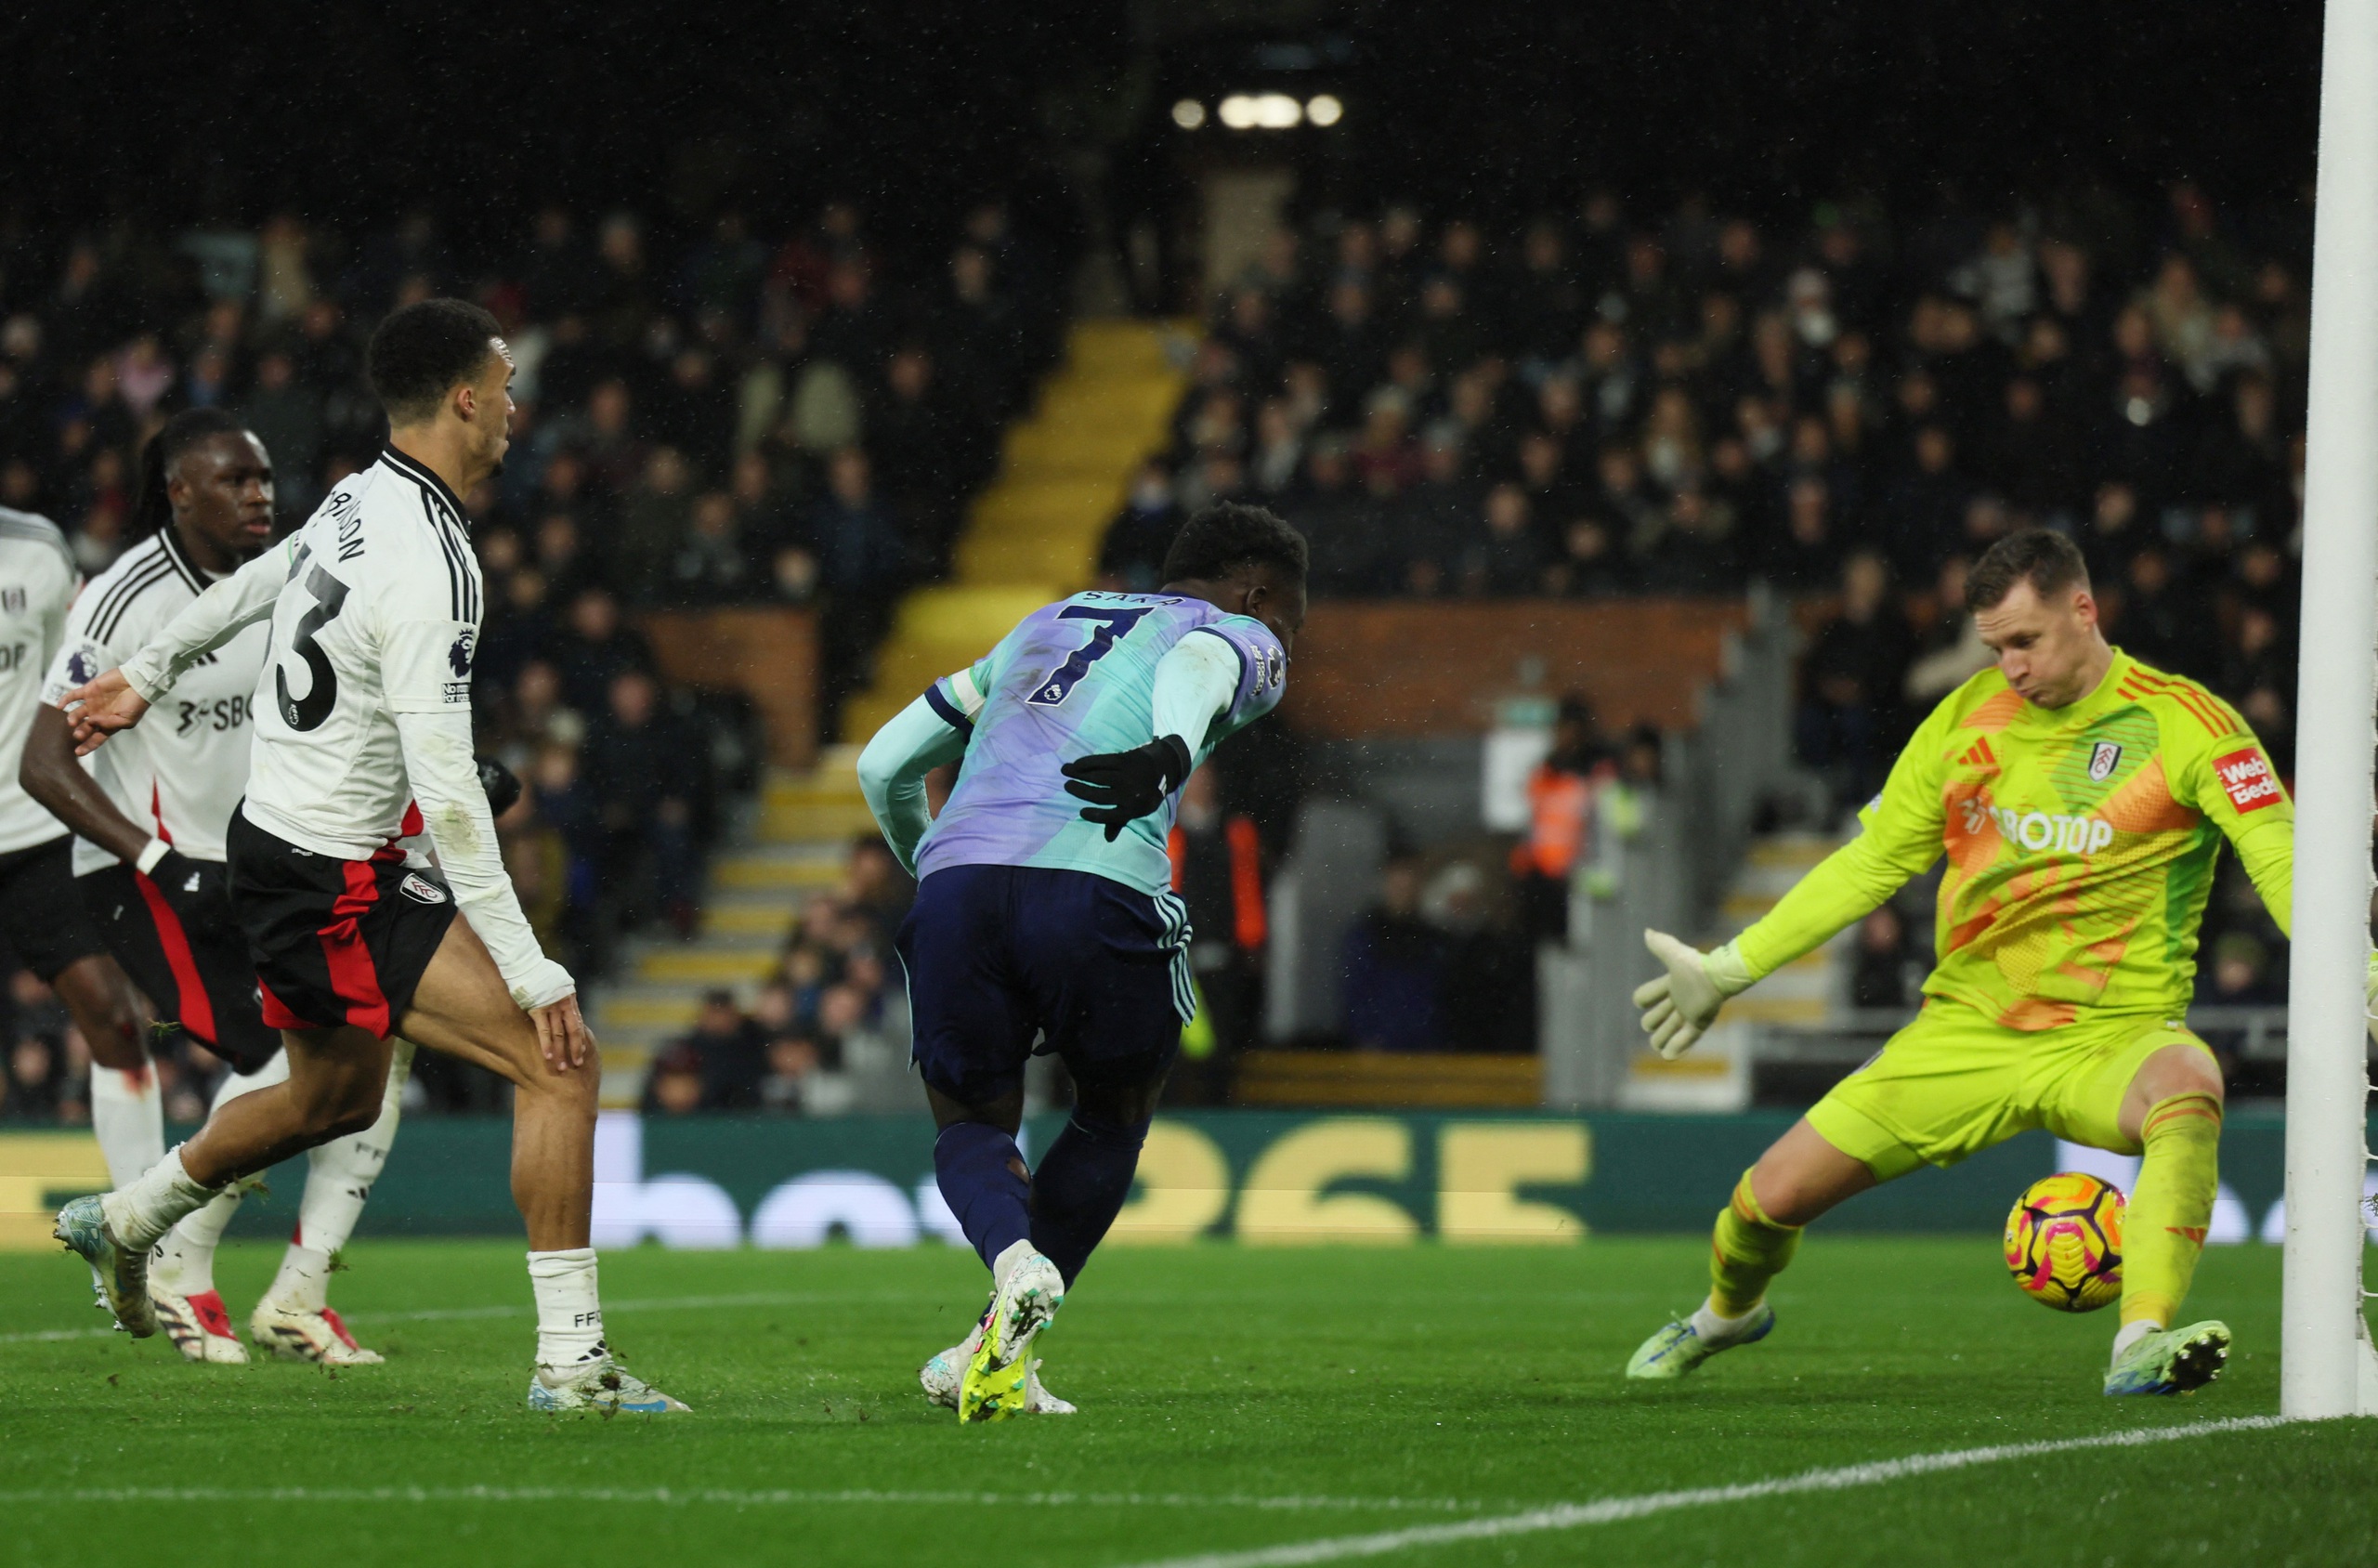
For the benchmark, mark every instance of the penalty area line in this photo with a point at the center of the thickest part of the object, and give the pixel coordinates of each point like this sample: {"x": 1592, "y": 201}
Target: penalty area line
{"x": 680, "y": 1497}
{"x": 1612, "y": 1510}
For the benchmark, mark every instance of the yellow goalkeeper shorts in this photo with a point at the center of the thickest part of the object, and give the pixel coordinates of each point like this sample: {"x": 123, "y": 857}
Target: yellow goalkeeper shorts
{"x": 1953, "y": 1083}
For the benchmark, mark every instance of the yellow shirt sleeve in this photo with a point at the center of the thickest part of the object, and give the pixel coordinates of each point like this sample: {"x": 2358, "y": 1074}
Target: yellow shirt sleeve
{"x": 1902, "y": 838}
{"x": 2231, "y": 781}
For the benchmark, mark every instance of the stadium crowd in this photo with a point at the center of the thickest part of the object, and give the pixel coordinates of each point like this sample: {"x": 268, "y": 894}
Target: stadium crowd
{"x": 1612, "y": 402}
{"x": 1847, "y": 412}
{"x": 722, "y": 416}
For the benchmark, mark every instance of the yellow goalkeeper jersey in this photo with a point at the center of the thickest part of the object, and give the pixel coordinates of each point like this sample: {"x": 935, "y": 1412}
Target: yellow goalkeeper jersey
{"x": 2080, "y": 844}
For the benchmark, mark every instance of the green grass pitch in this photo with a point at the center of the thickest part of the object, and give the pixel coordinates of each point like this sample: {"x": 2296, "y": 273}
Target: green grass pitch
{"x": 1232, "y": 1400}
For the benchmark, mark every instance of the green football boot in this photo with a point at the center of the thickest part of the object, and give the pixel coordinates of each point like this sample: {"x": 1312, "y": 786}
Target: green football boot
{"x": 997, "y": 1384}
{"x": 1679, "y": 1348}
{"x": 121, "y": 1273}
{"x": 2172, "y": 1360}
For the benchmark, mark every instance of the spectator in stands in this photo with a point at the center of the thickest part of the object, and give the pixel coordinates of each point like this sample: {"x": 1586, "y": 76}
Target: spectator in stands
{"x": 1217, "y": 871}
{"x": 1392, "y": 973}
{"x": 644, "y": 770}
{"x": 1850, "y": 717}
{"x": 1561, "y": 819}
{"x": 673, "y": 1085}
{"x": 34, "y": 1092}
{"x": 730, "y": 1054}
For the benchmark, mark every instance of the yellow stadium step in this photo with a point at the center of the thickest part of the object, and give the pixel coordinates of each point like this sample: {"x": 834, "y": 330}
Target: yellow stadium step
{"x": 1032, "y": 536}
{"x": 750, "y": 873}
{"x": 630, "y": 1010}
{"x": 707, "y": 966}
{"x": 1056, "y": 556}
{"x": 837, "y": 820}
{"x": 979, "y": 615}
{"x": 730, "y": 922}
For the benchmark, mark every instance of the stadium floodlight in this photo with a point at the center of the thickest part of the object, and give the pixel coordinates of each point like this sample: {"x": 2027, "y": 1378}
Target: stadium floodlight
{"x": 1239, "y": 111}
{"x": 1279, "y": 112}
{"x": 1188, "y": 114}
{"x": 2327, "y": 1366}
{"x": 1323, "y": 109}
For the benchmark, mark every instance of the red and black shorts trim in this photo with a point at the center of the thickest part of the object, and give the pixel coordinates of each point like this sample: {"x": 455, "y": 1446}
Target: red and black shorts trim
{"x": 192, "y": 964}
{"x": 336, "y": 942}
{"x": 41, "y": 914}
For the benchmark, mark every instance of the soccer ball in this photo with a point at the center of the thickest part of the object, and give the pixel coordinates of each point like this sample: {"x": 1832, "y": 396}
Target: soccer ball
{"x": 2064, "y": 1242}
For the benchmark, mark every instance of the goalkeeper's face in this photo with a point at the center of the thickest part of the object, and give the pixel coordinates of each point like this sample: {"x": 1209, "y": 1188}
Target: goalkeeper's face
{"x": 2050, "y": 650}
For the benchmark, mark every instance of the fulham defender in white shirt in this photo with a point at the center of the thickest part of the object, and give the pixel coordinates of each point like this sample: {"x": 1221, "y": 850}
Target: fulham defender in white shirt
{"x": 362, "y": 720}
{"x": 148, "y": 814}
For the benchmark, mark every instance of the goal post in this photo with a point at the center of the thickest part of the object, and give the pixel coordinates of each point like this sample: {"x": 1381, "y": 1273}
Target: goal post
{"x": 2327, "y": 1367}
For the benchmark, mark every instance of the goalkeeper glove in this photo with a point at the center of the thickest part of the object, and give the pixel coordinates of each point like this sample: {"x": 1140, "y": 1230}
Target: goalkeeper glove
{"x": 1681, "y": 1003}
{"x": 1124, "y": 786}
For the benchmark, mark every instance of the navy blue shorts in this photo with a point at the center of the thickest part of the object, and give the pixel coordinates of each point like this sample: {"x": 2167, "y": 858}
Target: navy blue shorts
{"x": 1000, "y": 957}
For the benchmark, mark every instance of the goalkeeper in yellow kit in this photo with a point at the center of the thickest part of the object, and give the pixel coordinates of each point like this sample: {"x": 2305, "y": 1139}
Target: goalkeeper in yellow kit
{"x": 2081, "y": 799}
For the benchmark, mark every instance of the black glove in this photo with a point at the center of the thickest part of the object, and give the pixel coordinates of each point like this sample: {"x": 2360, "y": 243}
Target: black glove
{"x": 193, "y": 889}
{"x": 1124, "y": 786}
{"x": 503, "y": 785}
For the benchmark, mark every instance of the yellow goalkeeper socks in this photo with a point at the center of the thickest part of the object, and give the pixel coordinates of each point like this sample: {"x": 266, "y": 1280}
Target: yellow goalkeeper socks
{"x": 2164, "y": 1231}
{"x": 1747, "y": 1251}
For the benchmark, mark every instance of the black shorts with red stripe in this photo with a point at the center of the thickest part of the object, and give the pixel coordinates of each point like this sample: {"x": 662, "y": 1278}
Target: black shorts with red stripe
{"x": 184, "y": 950}
{"x": 334, "y": 942}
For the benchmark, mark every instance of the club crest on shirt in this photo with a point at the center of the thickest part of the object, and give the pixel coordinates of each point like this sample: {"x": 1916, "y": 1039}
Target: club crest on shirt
{"x": 420, "y": 890}
{"x": 12, "y": 600}
{"x": 459, "y": 656}
{"x": 2103, "y": 760}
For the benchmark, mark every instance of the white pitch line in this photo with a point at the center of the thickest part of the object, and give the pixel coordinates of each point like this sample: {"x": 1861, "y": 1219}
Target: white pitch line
{"x": 680, "y": 1497}
{"x": 1611, "y": 1510}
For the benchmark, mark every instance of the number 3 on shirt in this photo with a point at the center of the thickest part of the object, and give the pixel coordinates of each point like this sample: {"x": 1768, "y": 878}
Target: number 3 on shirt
{"x": 1114, "y": 624}
{"x": 310, "y": 710}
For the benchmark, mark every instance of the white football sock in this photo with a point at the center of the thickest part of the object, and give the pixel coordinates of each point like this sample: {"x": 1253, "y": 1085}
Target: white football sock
{"x": 570, "y": 1310}
{"x": 1712, "y": 1330}
{"x": 142, "y": 1212}
{"x": 185, "y": 1260}
{"x": 2131, "y": 1333}
{"x": 338, "y": 1179}
{"x": 128, "y": 1114}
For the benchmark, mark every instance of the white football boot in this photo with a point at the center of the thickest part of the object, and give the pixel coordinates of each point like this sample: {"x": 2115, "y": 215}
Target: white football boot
{"x": 199, "y": 1326}
{"x": 942, "y": 1376}
{"x": 599, "y": 1384}
{"x": 295, "y": 1334}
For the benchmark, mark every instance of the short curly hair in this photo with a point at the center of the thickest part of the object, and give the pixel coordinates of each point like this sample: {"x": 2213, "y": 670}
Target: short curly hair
{"x": 1231, "y": 534}
{"x": 420, "y": 352}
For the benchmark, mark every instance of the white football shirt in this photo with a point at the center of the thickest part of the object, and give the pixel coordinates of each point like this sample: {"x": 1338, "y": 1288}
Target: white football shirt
{"x": 182, "y": 771}
{"x": 38, "y": 581}
{"x": 364, "y": 702}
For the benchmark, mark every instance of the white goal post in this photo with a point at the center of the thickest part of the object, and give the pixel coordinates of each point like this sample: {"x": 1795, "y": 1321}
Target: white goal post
{"x": 2327, "y": 1366}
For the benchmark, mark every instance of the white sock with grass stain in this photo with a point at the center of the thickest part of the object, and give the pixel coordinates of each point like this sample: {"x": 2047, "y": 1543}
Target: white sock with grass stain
{"x": 570, "y": 1310}
{"x": 185, "y": 1260}
{"x": 144, "y": 1211}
